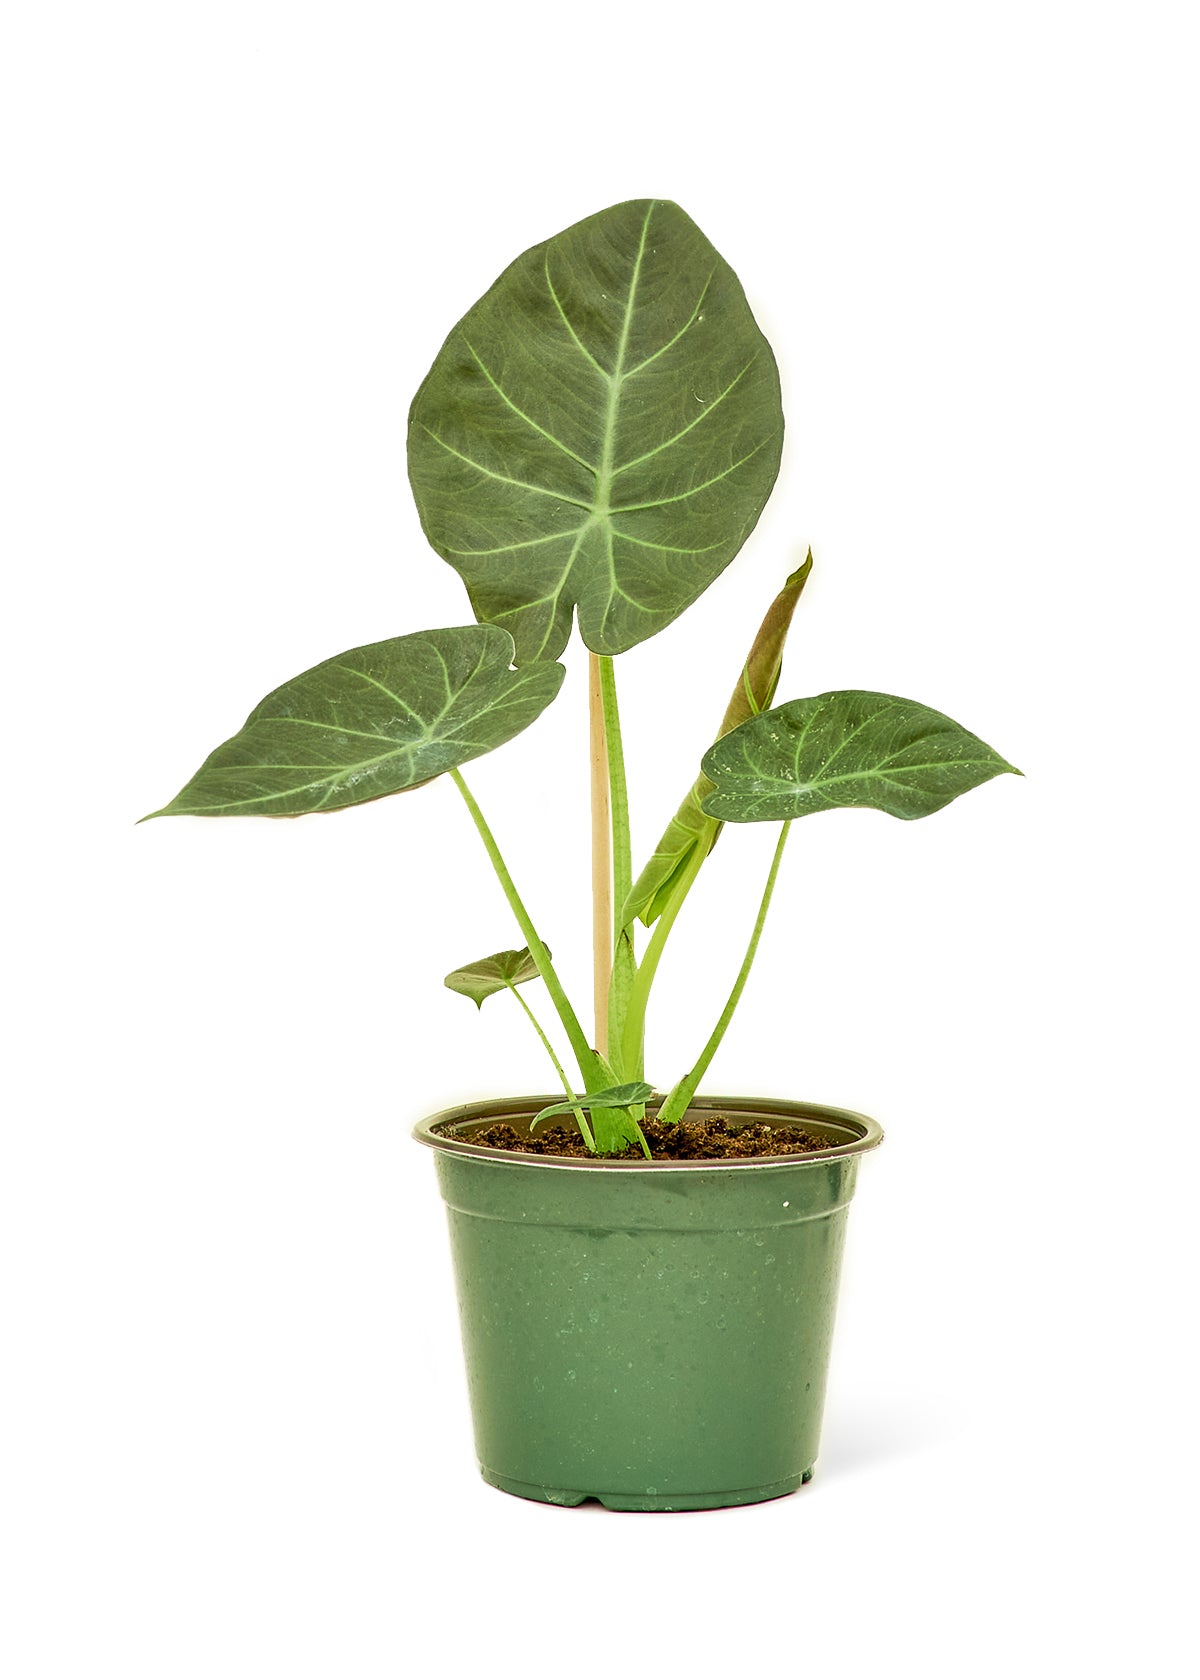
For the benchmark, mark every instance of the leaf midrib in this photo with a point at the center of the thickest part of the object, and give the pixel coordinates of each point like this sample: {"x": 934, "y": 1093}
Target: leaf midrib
{"x": 578, "y": 461}
{"x": 600, "y": 510}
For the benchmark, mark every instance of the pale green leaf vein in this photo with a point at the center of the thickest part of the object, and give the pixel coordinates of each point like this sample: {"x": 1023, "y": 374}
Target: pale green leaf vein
{"x": 511, "y": 548}
{"x": 336, "y": 777}
{"x": 627, "y": 466}
{"x": 671, "y": 342}
{"x": 684, "y": 495}
{"x": 384, "y": 689}
{"x": 336, "y": 728}
{"x": 550, "y": 599}
{"x": 608, "y": 445}
{"x": 667, "y": 548}
{"x": 520, "y": 412}
{"x": 502, "y": 478}
{"x": 579, "y": 344}
{"x": 851, "y": 733}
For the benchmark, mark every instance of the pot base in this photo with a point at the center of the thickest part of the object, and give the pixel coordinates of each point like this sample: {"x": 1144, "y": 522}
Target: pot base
{"x": 647, "y": 1501}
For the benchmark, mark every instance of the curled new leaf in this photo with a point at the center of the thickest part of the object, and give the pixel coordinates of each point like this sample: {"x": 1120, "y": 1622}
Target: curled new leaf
{"x": 690, "y": 830}
{"x": 601, "y": 430}
{"x": 373, "y": 721}
{"x": 497, "y": 973}
{"x": 846, "y": 748}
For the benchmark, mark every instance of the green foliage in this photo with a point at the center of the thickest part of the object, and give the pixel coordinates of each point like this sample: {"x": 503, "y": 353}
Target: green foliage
{"x": 372, "y": 721}
{"x": 843, "y": 749}
{"x": 690, "y": 830}
{"x": 489, "y": 975}
{"x": 597, "y": 437}
{"x": 614, "y": 1115}
{"x": 617, "y": 1096}
{"x": 601, "y": 430}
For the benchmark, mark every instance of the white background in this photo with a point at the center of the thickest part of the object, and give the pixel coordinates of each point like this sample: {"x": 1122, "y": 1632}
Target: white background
{"x": 241, "y": 1445}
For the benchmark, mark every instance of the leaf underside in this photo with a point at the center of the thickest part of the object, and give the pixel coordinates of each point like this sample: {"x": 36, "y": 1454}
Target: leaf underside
{"x": 488, "y": 975}
{"x": 372, "y": 721}
{"x": 601, "y": 430}
{"x": 846, "y": 748}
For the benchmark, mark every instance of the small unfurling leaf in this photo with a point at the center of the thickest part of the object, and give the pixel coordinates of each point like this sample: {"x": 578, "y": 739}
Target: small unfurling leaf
{"x": 488, "y": 975}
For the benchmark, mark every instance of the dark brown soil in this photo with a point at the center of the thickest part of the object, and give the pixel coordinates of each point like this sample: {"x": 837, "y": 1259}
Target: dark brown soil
{"x": 709, "y": 1139}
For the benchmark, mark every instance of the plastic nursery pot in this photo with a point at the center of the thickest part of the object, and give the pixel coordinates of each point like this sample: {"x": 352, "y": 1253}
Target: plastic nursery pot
{"x": 654, "y": 1335}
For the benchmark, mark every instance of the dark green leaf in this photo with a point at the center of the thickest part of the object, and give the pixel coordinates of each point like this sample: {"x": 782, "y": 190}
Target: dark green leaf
{"x": 616, "y": 1096}
{"x": 689, "y": 829}
{"x": 372, "y": 721}
{"x": 843, "y": 749}
{"x": 497, "y": 973}
{"x": 601, "y": 429}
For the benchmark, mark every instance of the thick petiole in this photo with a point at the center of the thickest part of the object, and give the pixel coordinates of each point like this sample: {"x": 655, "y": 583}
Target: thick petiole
{"x": 622, "y": 862}
{"x": 620, "y": 938}
{"x": 634, "y": 1033}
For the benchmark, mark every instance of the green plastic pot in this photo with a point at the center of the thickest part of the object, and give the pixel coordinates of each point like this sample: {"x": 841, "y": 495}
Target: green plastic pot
{"x": 654, "y": 1335}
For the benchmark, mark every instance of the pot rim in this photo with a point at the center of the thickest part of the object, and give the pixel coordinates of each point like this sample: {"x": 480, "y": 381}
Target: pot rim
{"x": 865, "y": 1134}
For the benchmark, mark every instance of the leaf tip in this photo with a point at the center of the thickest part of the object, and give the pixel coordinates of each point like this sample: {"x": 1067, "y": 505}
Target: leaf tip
{"x": 800, "y": 575}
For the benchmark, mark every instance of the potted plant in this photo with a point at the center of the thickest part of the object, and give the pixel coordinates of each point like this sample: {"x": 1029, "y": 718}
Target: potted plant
{"x": 647, "y": 1277}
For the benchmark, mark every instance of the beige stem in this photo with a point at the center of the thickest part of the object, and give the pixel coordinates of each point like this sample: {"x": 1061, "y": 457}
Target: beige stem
{"x": 602, "y": 911}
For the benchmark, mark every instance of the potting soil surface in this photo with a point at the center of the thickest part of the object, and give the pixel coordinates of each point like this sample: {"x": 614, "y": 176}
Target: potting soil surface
{"x": 709, "y": 1139}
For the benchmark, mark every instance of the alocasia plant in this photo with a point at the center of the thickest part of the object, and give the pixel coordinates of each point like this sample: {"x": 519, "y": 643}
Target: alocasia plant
{"x": 594, "y": 442}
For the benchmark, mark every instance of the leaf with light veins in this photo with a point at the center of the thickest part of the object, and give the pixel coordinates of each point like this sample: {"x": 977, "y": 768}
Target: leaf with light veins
{"x": 601, "y": 430}
{"x": 373, "y": 721}
{"x": 843, "y": 749}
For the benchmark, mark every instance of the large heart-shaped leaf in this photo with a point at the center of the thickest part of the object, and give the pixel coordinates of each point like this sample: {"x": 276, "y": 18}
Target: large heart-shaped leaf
{"x": 843, "y": 749}
{"x": 372, "y": 721}
{"x": 489, "y": 975}
{"x": 601, "y": 429}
